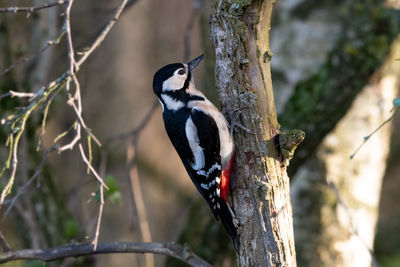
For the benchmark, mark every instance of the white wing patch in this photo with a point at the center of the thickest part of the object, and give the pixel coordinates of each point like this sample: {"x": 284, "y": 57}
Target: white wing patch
{"x": 216, "y": 166}
{"x": 171, "y": 103}
{"x": 204, "y": 186}
{"x": 225, "y": 138}
{"x": 194, "y": 143}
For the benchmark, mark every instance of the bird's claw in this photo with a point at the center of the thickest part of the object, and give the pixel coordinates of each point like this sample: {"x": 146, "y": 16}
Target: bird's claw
{"x": 234, "y": 220}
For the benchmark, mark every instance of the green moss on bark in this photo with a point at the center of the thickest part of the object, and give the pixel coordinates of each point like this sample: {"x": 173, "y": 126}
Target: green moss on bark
{"x": 320, "y": 101}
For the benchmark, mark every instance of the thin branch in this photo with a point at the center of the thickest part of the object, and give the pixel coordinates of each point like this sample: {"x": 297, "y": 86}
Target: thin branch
{"x": 33, "y": 8}
{"x": 101, "y": 206}
{"x": 78, "y": 112}
{"x": 103, "y": 34}
{"x": 5, "y": 95}
{"x": 21, "y": 94}
{"x": 366, "y": 138}
{"x": 13, "y": 150}
{"x": 70, "y": 47}
{"x": 26, "y": 59}
{"x": 91, "y": 167}
{"x": 4, "y": 243}
{"x": 138, "y": 129}
{"x": 29, "y": 182}
{"x": 18, "y": 120}
{"x": 36, "y": 237}
{"x": 138, "y": 200}
{"x": 75, "y": 140}
{"x": 76, "y": 250}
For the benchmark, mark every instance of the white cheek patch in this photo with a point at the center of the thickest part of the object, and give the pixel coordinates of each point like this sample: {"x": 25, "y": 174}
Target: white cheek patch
{"x": 175, "y": 82}
{"x": 171, "y": 103}
{"x": 194, "y": 143}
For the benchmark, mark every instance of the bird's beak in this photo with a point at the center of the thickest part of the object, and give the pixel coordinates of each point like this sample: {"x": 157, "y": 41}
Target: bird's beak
{"x": 192, "y": 64}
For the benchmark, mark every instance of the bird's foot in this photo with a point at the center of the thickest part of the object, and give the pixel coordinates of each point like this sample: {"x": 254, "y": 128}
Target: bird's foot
{"x": 234, "y": 220}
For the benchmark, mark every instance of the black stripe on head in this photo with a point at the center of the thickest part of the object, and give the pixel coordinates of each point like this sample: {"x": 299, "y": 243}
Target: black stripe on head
{"x": 187, "y": 81}
{"x": 163, "y": 74}
{"x": 196, "y": 98}
{"x": 183, "y": 96}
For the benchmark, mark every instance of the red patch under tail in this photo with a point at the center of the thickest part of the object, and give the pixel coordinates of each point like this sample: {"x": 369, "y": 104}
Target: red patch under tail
{"x": 225, "y": 180}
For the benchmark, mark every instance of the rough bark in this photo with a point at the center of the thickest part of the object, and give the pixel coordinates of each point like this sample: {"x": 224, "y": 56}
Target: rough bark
{"x": 336, "y": 199}
{"x": 260, "y": 187}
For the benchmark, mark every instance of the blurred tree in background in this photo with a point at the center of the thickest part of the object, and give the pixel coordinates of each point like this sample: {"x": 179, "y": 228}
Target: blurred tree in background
{"x": 335, "y": 70}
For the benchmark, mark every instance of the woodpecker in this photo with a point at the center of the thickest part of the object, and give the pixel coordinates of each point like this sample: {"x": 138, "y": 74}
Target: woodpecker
{"x": 201, "y": 136}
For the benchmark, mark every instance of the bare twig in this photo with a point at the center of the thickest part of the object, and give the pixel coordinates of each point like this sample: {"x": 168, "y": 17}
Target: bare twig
{"x": 78, "y": 112}
{"x": 94, "y": 172}
{"x": 17, "y": 124}
{"x": 70, "y": 47}
{"x": 29, "y": 182}
{"x": 36, "y": 237}
{"x": 75, "y": 140}
{"x": 5, "y": 246}
{"x": 76, "y": 250}
{"x": 42, "y": 50}
{"x": 21, "y": 94}
{"x": 72, "y": 68}
{"x": 366, "y": 138}
{"x": 102, "y": 185}
{"x": 137, "y": 197}
{"x": 17, "y": 121}
{"x": 12, "y": 93}
{"x": 33, "y": 8}
{"x": 103, "y": 34}
{"x": 5, "y": 95}
{"x": 7, "y": 188}
{"x": 97, "y": 233}
{"x": 138, "y": 129}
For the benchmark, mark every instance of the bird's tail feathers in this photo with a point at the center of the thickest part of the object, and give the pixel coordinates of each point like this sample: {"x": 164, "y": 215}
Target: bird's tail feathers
{"x": 230, "y": 223}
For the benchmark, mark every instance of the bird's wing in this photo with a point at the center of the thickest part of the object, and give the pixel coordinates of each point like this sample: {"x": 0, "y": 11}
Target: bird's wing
{"x": 205, "y": 168}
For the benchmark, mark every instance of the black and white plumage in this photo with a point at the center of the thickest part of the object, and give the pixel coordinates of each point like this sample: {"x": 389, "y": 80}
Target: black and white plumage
{"x": 200, "y": 134}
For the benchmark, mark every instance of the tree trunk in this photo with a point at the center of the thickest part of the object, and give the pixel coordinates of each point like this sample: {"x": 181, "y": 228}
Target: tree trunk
{"x": 336, "y": 199}
{"x": 260, "y": 187}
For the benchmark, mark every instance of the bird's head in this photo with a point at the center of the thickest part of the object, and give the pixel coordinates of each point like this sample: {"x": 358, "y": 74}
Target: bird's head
{"x": 175, "y": 76}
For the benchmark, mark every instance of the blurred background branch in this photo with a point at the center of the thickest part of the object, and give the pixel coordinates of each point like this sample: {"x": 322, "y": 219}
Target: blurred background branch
{"x": 33, "y": 8}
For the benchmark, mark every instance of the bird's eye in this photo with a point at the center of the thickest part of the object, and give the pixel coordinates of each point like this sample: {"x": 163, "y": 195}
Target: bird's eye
{"x": 181, "y": 71}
